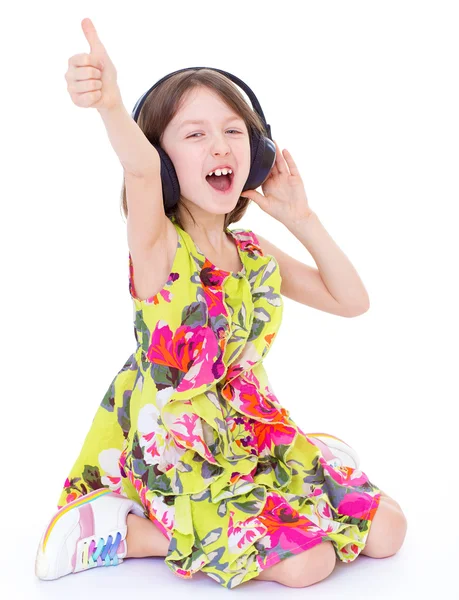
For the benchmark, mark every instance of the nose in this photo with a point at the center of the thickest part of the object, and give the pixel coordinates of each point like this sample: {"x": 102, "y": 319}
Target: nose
{"x": 220, "y": 146}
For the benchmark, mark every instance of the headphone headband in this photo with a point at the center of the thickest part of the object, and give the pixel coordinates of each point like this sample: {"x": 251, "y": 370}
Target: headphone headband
{"x": 253, "y": 99}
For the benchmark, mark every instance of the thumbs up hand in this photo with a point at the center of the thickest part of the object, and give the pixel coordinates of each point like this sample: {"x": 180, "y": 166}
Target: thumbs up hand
{"x": 91, "y": 78}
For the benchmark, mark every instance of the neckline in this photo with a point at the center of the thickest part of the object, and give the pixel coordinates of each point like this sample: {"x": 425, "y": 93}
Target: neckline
{"x": 238, "y": 274}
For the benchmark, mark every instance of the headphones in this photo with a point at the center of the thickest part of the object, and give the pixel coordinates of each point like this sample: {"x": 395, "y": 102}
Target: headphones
{"x": 262, "y": 148}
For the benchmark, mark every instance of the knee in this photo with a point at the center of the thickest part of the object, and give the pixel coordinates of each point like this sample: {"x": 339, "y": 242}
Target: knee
{"x": 397, "y": 533}
{"x": 391, "y": 537}
{"x": 312, "y": 566}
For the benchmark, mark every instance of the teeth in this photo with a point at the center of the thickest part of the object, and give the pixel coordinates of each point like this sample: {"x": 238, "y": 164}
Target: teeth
{"x": 219, "y": 172}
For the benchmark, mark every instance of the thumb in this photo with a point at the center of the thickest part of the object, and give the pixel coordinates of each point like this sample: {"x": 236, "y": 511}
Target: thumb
{"x": 95, "y": 45}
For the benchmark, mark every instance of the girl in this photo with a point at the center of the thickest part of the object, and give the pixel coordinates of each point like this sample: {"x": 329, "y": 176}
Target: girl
{"x": 190, "y": 455}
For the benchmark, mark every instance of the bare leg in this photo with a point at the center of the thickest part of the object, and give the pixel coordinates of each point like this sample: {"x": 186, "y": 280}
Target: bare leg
{"x": 144, "y": 538}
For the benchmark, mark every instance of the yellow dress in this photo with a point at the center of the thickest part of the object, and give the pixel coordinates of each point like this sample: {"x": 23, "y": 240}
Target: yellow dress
{"x": 190, "y": 429}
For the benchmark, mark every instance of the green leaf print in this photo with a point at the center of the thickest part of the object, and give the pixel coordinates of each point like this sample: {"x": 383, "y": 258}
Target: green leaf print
{"x": 222, "y": 509}
{"x": 281, "y": 474}
{"x": 269, "y": 295}
{"x": 219, "y": 322}
{"x": 211, "y": 537}
{"x": 257, "y": 328}
{"x": 280, "y": 451}
{"x": 242, "y": 316}
{"x": 124, "y": 418}
{"x": 259, "y": 493}
{"x": 262, "y": 314}
{"x": 164, "y": 376}
{"x": 214, "y": 559}
{"x": 91, "y": 475}
{"x": 251, "y": 507}
{"x": 137, "y": 451}
{"x": 195, "y": 314}
{"x": 315, "y": 475}
{"x": 108, "y": 401}
{"x": 265, "y": 465}
{"x": 152, "y": 477}
{"x": 73, "y": 485}
{"x": 209, "y": 471}
{"x": 142, "y": 329}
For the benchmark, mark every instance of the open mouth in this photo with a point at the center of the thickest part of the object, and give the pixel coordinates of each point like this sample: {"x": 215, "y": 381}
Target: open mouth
{"x": 221, "y": 183}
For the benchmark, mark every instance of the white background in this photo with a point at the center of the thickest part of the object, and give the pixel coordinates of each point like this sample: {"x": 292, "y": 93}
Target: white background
{"x": 365, "y": 97}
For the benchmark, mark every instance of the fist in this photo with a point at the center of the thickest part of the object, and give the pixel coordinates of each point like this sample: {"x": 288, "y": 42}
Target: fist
{"x": 91, "y": 78}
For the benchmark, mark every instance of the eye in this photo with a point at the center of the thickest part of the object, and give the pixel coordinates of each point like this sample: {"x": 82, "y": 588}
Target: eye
{"x": 194, "y": 134}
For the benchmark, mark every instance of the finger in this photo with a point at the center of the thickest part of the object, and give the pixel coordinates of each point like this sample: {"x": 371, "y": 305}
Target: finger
{"x": 85, "y": 73}
{"x": 280, "y": 164}
{"x": 290, "y": 163}
{"x": 80, "y": 60}
{"x": 95, "y": 45}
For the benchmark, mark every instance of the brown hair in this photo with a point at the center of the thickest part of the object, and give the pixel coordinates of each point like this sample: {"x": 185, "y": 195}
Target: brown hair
{"x": 163, "y": 103}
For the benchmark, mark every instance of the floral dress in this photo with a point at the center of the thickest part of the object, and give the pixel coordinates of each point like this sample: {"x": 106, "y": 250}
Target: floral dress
{"x": 190, "y": 429}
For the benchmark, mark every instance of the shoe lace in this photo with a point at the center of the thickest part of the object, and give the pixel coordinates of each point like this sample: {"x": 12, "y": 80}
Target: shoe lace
{"x": 102, "y": 555}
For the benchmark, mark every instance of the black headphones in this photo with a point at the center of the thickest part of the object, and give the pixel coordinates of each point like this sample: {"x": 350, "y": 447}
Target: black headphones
{"x": 262, "y": 148}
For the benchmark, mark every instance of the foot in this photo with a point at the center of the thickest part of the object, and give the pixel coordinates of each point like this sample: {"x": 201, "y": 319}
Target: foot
{"x": 88, "y": 532}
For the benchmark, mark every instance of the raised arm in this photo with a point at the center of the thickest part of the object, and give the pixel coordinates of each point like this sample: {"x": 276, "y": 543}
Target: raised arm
{"x": 92, "y": 83}
{"x": 146, "y": 220}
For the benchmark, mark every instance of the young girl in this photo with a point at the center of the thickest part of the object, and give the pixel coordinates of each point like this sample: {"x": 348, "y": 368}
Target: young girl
{"x": 190, "y": 455}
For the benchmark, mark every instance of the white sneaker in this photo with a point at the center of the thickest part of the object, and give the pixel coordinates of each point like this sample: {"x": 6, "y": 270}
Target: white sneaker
{"x": 85, "y": 534}
{"x": 335, "y": 451}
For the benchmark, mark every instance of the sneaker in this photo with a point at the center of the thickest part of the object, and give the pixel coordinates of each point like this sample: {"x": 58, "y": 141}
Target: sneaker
{"x": 88, "y": 532}
{"x": 336, "y": 452}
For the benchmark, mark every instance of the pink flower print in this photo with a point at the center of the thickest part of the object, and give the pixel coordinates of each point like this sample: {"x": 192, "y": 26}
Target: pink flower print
{"x": 144, "y": 499}
{"x": 286, "y": 526}
{"x": 191, "y": 350}
{"x": 214, "y": 300}
{"x": 344, "y": 475}
{"x": 248, "y": 242}
{"x": 122, "y": 462}
{"x": 211, "y": 276}
{"x": 161, "y": 513}
{"x": 187, "y": 430}
{"x": 247, "y": 399}
{"x": 358, "y": 505}
{"x": 244, "y": 534}
{"x": 269, "y": 436}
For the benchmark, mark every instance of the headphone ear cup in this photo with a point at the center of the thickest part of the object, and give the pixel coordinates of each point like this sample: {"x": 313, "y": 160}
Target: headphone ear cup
{"x": 263, "y": 156}
{"x": 169, "y": 180}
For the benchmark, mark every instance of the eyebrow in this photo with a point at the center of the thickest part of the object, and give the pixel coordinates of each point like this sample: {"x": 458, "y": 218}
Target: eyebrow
{"x": 200, "y": 121}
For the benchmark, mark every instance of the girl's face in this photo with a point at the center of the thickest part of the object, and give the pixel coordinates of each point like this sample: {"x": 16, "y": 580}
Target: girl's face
{"x": 197, "y": 148}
